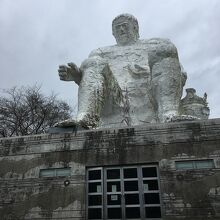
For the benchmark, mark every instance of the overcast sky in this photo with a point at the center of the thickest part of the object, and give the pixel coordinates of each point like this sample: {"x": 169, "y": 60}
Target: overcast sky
{"x": 38, "y": 35}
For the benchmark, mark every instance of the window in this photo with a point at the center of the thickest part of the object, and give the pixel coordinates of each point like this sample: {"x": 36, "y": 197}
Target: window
{"x": 194, "y": 164}
{"x": 55, "y": 172}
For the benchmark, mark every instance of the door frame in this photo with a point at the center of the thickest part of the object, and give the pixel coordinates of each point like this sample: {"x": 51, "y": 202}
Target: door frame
{"x": 141, "y": 191}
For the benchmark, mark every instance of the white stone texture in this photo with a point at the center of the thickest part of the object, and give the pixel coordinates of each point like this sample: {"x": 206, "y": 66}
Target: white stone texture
{"x": 131, "y": 83}
{"x": 145, "y": 87}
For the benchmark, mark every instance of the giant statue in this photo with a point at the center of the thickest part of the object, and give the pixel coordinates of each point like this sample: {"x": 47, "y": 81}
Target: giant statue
{"x": 131, "y": 83}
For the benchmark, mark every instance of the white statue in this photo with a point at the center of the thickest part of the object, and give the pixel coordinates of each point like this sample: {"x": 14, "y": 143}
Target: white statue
{"x": 130, "y": 83}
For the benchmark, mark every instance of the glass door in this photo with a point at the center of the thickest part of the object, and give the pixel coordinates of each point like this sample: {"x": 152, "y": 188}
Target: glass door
{"x": 131, "y": 193}
{"x": 95, "y": 193}
{"x": 113, "y": 193}
{"x": 128, "y": 192}
{"x": 150, "y": 192}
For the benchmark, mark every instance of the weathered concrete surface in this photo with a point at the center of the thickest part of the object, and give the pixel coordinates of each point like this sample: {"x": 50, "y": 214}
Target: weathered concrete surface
{"x": 192, "y": 194}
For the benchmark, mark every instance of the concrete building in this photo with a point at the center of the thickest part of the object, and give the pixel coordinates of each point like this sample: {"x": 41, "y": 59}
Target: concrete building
{"x": 158, "y": 171}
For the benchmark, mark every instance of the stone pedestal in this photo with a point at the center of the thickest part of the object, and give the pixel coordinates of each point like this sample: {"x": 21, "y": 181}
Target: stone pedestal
{"x": 46, "y": 176}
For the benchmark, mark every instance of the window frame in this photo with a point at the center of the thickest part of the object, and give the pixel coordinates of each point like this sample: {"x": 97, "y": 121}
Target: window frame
{"x": 54, "y": 172}
{"x": 194, "y": 164}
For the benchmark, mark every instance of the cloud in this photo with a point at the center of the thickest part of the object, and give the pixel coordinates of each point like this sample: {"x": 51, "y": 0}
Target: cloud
{"x": 37, "y": 36}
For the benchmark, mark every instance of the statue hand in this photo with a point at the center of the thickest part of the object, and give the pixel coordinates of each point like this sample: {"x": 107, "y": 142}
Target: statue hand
{"x": 70, "y": 73}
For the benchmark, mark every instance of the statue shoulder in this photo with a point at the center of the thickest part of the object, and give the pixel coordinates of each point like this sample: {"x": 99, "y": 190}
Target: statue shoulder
{"x": 161, "y": 44}
{"x": 96, "y": 57}
{"x": 160, "y": 48}
{"x": 101, "y": 51}
{"x": 157, "y": 40}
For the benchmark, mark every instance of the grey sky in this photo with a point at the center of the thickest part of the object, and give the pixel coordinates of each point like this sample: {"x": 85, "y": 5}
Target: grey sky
{"x": 38, "y": 35}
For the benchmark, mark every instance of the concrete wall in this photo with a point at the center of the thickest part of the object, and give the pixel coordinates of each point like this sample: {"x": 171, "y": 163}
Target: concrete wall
{"x": 189, "y": 194}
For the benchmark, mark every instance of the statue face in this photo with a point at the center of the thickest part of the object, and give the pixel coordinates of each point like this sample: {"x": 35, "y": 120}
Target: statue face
{"x": 125, "y": 33}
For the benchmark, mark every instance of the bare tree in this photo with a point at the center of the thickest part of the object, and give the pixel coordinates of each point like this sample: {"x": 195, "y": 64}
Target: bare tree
{"x": 26, "y": 110}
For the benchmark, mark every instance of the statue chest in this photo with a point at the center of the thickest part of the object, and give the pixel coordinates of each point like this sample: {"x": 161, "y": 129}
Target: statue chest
{"x": 130, "y": 67}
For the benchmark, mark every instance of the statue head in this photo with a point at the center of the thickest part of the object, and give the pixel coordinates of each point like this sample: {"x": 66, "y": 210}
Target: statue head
{"x": 125, "y": 29}
{"x": 190, "y": 92}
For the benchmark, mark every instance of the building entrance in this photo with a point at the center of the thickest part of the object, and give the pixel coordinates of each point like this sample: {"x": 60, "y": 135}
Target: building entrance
{"x": 128, "y": 192}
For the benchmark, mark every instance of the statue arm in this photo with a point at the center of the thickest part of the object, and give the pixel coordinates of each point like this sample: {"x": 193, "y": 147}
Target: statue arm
{"x": 70, "y": 72}
{"x": 90, "y": 94}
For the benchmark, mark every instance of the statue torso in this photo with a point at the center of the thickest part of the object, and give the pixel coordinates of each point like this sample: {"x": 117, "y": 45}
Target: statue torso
{"x": 130, "y": 67}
